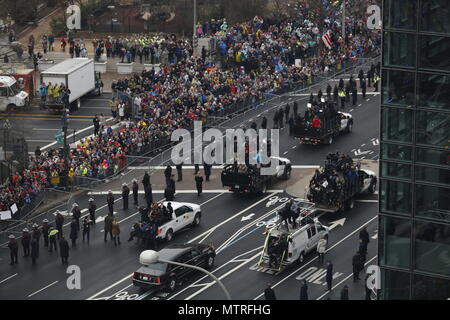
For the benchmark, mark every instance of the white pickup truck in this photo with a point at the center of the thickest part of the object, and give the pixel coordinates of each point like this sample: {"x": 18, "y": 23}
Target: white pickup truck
{"x": 184, "y": 214}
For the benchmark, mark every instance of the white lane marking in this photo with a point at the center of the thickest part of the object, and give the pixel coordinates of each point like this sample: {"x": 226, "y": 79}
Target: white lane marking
{"x": 351, "y": 110}
{"x": 9, "y": 278}
{"x": 367, "y": 201}
{"x": 116, "y": 293}
{"x": 363, "y": 145}
{"x": 147, "y": 168}
{"x": 39, "y": 141}
{"x": 42, "y": 129}
{"x": 345, "y": 279}
{"x": 221, "y": 191}
{"x": 285, "y": 152}
{"x": 362, "y": 158}
{"x": 314, "y": 259}
{"x": 294, "y": 147}
{"x": 375, "y": 157}
{"x": 359, "y": 105}
{"x": 43, "y": 289}
{"x": 111, "y": 286}
{"x": 212, "y": 199}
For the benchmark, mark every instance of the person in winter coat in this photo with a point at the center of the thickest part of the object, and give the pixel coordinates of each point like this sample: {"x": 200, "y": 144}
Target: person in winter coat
{"x": 92, "y": 209}
{"x": 116, "y": 232}
{"x": 59, "y": 221}
{"x": 295, "y": 108}
{"x": 321, "y": 247}
{"x": 329, "y": 276}
{"x": 269, "y": 294}
{"x": 168, "y": 174}
{"x": 199, "y": 183}
{"x": 135, "y": 189}
{"x": 53, "y": 234}
{"x": 36, "y": 234}
{"x": 125, "y": 195}
{"x": 207, "y": 169}
{"x": 86, "y": 228}
{"x": 146, "y": 179}
{"x": 357, "y": 266}
{"x": 26, "y": 239}
{"x": 108, "y": 226}
{"x": 76, "y": 214}
{"x": 362, "y": 250}
{"x": 64, "y": 249}
{"x": 34, "y": 251}
{"x": 148, "y": 195}
{"x": 110, "y": 201}
{"x": 264, "y": 123}
{"x": 45, "y": 230}
{"x": 344, "y": 293}
{"x": 304, "y": 290}
{"x": 364, "y": 235}
{"x": 73, "y": 232}
{"x": 13, "y": 249}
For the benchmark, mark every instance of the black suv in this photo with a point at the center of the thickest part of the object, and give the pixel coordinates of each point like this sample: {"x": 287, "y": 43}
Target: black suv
{"x": 169, "y": 276}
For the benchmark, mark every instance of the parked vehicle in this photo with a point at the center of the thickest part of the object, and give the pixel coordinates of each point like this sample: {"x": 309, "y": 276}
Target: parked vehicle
{"x": 11, "y": 96}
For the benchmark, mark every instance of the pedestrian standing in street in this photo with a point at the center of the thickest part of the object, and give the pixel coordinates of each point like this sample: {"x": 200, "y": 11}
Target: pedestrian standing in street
{"x": 76, "y": 214}
{"x": 362, "y": 251}
{"x": 168, "y": 174}
{"x": 344, "y": 293}
{"x": 108, "y": 226}
{"x": 96, "y": 122}
{"x": 207, "y": 169}
{"x": 304, "y": 290}
{"x": 366, "y": 287}
{"x": 321, "y": 247}
{"x": 171, "y": 185}
{"x": 281, "y": 118}
{"x": 180, "y": 172}
{"x": 356, "y": 263}
{"x": 148, "y": 195}
{"x": 146, "y": 179}
{"x": 116, "y": 232}
{"x": 102, "y": 123}
{"x": 291, "y": 125}
{"x": 364, "y": 235}
{"x": 295, "y": 108}
{"x": 53, "y": 234}
{"x": 73, "y": 232}
{"x": 64, "y": 250}
{"x": 45, "y": 230}
{"x": 34, "y": 251}
{"x": 363, "y": 88}
{"x": 354, "y": 96}
{"x": 135, "y": 189}
{"x": 36, "y": 234}
{"x": 110, "y": 202}
{"x": 59, "y": 221}
{"x": 329, "y": 276}
{"x": 199, "y": 183}
{"x": 125, "y": 195}
{"x": 269, "y": 294}
{"x": 26, "y": 239}
{"x": 287, "y": 109}
{"x": 13, "y": 249}
{"x": 92, "y": 208}
{"x": 86, "y": 228}
{"x": 264, "y": 123}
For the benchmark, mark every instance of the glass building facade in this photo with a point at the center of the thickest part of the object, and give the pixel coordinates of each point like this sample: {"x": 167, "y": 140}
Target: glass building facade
{"x": 414, "y": 218}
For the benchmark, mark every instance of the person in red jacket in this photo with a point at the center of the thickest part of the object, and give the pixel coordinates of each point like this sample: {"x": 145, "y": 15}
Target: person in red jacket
{"x": 316, "y": 123}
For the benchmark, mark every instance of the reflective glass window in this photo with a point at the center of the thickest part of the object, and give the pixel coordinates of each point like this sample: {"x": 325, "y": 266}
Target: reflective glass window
{"x": 429, "y": 288}
{"x": 395, "y": 197}
{"x": 433, "y": 128}
{"x": 394, "y": 242}
{"x": 398, "y": 87}
{"x": 396, "y": 124}
{"x": 428, "y": 174}
{"x": 395, "y": 152}
{"x": 400, "y": 14}
{"x": 434, "y": 16}
{"x": 431, "y": 156}
{"x": 433, "y": 91}
{"x": 433, "y": 202}
{"x": 399, "y": 49}
{"x": 395, "y": 285}
{"x": 434, "y": 53}
{"x": 395, "y": 170}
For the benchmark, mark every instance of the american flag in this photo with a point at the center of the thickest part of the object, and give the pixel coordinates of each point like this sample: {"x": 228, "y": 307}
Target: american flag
{"x": 327, "y": 40}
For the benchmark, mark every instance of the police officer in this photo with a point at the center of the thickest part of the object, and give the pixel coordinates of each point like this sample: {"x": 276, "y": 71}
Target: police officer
{"x": 291, "y": 125}
{"x": 361, "y": 76}
{"x": 110, "y": 202}
{"x": 34, "y": 251}
{"x": 13, "y": 248}
{"x": 59, "y": 221}
{"x": 253, "y": 126}
{"x": 108, "y": 227}
{"x": 36, "y": 234}
{"x": 64, "y": 250}
{"x": 342, "y": 97}
{"x": 341, "y": 84}
{"x": 125, "y": 195}
{"x": 26, "y": 239}
{"x": 362, "y": 250}
{"x": 146, "y": 179}
{"x": 45, "y": 230}
{"x": 311, "y": 98}
{"x": 199, "y": 183}
{"x": 356, "y": 262}
{"x": 264, "y": 123}
{"x": 376, "y": 80}
{"x": 86, "y": 228}
{"x": 73, "y": 232}
{"x": 148, "y": 195}
{"x": 52, "y": 235}
{"x": 363, "y": 88}
{"x": 304, "y": 290}
{"x": 180, "y": 171}
{"x": 92, "y": 209}
{"x": 347, "y": 92}
{"x": 135, "y": 189}
{"x": 76, "y": 214}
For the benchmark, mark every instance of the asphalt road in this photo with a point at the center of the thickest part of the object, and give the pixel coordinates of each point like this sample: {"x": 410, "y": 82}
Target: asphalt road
{"x": 233, "y": 224}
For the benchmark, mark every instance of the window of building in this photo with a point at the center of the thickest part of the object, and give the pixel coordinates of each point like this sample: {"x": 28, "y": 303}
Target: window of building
{"x": 395, "y": 197}
{"x": 434, "y": 16}
{"x": 432, "y": 247}
{"x": 431, "y": 156}
{"x": 398, "y": 87}
{"x": 400, "y": 14}
{"x": 395, "y": 285}
{"x": 394, "y": 242}
{"x": 428, "y": 288}
{"x": 436, "y": 175}
{"x": 433, "y": 202}
{"x": 433, "y": 128}
{"x": 396, "y": 124}
{"x": 399, "y": 49}
{"x": 434, "y": 53}
{"x": 395, "y": 170}
{"x": 395, "y": 152}
{"x": 433, "y": 91}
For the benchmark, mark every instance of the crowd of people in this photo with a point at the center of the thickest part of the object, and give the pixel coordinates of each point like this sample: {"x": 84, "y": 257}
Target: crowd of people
{"x": 331, "y": 184}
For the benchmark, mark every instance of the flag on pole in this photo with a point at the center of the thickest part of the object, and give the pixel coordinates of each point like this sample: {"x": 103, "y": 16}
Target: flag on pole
{"x": 327, "y": 40}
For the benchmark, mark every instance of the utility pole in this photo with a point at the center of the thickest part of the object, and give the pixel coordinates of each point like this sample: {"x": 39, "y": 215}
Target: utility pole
{"x": 343, "y": 19}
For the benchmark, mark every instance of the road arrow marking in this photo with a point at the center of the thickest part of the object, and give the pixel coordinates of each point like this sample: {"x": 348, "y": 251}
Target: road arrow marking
{"x": 336, "y": 223}
{"x": 247, "y": 217}
{"x": 102, "y": 218}
{"x": 375, "y": 236}
{"x": 359, "y": 152}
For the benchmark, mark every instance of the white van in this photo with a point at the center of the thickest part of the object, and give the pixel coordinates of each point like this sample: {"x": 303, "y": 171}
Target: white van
{"x": 300, "y": 241}
{"x": 11, "y": 96}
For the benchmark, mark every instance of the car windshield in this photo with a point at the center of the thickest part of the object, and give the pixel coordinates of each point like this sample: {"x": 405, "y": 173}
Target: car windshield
{"x": 15, "y": 89}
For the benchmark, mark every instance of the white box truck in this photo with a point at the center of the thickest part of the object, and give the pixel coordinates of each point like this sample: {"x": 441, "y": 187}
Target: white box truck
{"x": 11, "y": 96}
{"x": 77, "y": 74}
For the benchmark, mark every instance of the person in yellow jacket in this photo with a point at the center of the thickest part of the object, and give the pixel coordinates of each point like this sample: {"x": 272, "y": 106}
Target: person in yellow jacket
{"x": 71, "y": 174}
{"x": 50, "y": 90}
{"x": 342, "y": 96}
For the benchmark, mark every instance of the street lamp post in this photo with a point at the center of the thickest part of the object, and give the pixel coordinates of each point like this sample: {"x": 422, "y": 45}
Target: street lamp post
{"x": 149, "y": 257}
